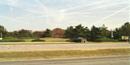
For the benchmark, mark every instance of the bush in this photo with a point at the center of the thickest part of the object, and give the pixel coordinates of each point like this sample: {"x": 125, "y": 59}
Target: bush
{"x": 38, "y": 40}
{"x": 105, "y": 39}
{"x": 16, "y": 40}
{"x": 75, "y": 40}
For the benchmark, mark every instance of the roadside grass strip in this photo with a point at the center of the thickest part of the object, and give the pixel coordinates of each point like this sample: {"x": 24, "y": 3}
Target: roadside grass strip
{"x": 62, "y": 54}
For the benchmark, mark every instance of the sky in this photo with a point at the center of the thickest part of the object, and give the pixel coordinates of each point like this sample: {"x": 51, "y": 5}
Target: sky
{"x": 42, "y": 14}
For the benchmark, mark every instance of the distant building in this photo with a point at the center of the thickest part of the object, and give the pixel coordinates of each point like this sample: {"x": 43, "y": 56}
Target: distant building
{"x": 58, "y": 33}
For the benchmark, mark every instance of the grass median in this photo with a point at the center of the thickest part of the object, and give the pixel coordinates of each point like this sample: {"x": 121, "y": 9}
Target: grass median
{"x": 63, "y": 54}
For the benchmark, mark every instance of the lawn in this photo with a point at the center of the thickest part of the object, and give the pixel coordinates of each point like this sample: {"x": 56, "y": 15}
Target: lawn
{"x": 12, "y": 39}
{"x": 62, "y": 54}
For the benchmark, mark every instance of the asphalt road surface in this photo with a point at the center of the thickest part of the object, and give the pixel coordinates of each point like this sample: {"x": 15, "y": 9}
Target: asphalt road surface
{"x": 86, "y": 61}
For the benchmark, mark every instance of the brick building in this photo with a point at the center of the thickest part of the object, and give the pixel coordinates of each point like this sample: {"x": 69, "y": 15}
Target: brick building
{"x": 58, "y": 33}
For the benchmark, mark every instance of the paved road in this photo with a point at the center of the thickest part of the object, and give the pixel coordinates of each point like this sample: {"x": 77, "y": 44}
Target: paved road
{"x": 42, "y": 47}
{"x": 92, "y": 61}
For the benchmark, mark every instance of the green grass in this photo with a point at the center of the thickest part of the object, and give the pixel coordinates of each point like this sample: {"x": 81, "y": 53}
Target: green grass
{"x": 62, "y": 54}
{"x": 55, "y": 39}
{"x": 12, "y": 39}
{"x": 33, "y": 43}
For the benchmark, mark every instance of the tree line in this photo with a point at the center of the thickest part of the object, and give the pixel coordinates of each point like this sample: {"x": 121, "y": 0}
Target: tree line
{"x": 98, "y": 33}
{"x": 74, "y": 32}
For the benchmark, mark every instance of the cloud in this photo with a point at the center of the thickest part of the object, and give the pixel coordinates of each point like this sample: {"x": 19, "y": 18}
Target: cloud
{"x": 12, "y": 2}
{"x": 61, "y": 13}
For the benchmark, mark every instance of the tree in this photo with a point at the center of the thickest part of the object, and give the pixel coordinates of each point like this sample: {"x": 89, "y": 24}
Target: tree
{"x": 24, "y": 33}
{"x": 14, "y": 34}
{"x": 69, "y": 32}
{"x": 3, "y": 31}
{"x": 77, "y": 31}
{"x": 47, "y": 33}
{"x": 82, "y": 31}
{"x": 125, "y": 29}
{"x": 38, "y": 34}
{"x": 117, "y": 34}
{"x": 104, "y": 32}
{"x": 95, "y": 33}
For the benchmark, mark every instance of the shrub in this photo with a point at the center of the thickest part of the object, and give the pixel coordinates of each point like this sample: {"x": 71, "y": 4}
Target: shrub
{"x": 105, "y": 39}
{"x": 38, "y": 40}
{"x": 15, "y": 40}
{"x": 75, "y": 40}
